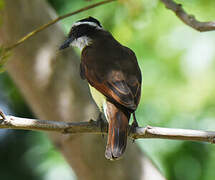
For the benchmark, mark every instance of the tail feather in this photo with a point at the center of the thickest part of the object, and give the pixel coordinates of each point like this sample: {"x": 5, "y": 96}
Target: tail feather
{"x": 117, "y": 132}
{"x": 120, "y": 142}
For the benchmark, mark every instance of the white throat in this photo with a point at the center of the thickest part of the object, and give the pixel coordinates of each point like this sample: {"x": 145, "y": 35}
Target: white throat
{"x": 82, "y": 42}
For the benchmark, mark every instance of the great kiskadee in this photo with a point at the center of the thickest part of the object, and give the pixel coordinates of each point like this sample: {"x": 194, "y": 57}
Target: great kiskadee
{"x": 114, "y": 78}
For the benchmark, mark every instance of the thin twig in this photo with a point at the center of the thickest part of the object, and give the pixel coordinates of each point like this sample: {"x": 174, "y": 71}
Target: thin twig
{"x": 188, "y": 19}
{"x": 41, "y": 28}
{"x": 93, "y": 127}
{"x": 177, "y": 8}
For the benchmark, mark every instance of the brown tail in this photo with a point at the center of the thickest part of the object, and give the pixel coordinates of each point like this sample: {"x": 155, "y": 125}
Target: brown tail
{"x": 117, "y": 131}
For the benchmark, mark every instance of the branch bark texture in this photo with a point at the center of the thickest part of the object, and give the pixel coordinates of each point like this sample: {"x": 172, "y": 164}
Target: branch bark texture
{"x": 51, "y": 85}
{"x": 188, "y": 19}
{"x": 94, "y": 127}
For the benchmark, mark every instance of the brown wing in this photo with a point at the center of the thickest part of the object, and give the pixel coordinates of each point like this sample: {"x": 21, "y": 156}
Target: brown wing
{"x": 114, "y": 87}
{"x": 119, "y": 79}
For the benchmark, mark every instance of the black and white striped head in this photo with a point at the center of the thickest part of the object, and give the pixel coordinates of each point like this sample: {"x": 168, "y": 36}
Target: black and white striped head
{"x": 82, "y": 32}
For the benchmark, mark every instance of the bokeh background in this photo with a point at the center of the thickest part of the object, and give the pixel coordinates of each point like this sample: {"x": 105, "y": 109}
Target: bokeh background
{"x": 178, "y": 68}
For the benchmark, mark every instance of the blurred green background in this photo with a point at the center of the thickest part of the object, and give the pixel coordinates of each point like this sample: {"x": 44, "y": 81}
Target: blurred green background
{"x": 178, "y": 68}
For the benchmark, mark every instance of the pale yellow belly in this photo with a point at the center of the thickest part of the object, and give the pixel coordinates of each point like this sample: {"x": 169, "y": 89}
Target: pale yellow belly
{"x": 98, "y": 97}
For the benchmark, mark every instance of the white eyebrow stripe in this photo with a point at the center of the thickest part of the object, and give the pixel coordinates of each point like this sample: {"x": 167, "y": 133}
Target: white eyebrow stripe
{"x": 89, "y": 23}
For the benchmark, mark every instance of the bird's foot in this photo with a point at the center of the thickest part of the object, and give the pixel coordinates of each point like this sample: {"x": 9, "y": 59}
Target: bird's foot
{"x": 133, "y": 126}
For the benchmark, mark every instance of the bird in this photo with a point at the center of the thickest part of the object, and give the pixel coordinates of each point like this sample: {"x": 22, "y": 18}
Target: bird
{"x": 114, "y": 79}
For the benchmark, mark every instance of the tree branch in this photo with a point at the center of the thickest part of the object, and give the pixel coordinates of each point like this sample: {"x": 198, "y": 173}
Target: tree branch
{"x": 188, "y": 19}
{"x": 41, "y": 28}
{"x": 59, "y": 94}
{"x": 5, "y": 51}
{"x": 94, "y": 127}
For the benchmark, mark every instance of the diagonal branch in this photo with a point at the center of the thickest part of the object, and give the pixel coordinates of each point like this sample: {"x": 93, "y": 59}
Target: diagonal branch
{"x": 41, "y": 28}
{"x": 94, "y": 127}
{"x": 5, "y": 51}
{"x": 188, "y": 19}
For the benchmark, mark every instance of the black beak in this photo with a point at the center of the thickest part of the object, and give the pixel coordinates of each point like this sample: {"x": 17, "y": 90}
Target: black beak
{"x": 66, "y": 43}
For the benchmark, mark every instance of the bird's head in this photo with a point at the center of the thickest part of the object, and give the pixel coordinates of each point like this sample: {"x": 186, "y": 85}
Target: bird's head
{"x": 82, "y": 32}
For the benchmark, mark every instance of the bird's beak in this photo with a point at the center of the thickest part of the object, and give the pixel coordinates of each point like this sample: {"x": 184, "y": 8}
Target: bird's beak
{"x": 66, "y": 43}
